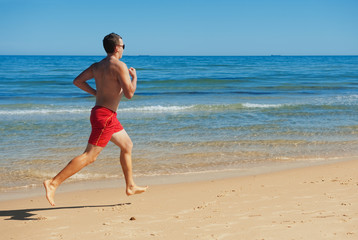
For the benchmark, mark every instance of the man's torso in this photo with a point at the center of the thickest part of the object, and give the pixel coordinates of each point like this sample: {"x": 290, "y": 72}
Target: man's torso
{"x": 108, "y": 87}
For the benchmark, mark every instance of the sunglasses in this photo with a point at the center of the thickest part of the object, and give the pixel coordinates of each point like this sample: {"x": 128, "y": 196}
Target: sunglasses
{"x": 124, "y": 46}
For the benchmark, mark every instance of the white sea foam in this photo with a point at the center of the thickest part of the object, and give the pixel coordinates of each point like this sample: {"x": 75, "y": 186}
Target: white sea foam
{"x": 143, "y": 109}
{"x": 93, "y": 176}
{"x": 157, "y": 108}
{"x": 346, "y": 100}
{"x": 256, "y": 105}
{"x": 42, "y": 111}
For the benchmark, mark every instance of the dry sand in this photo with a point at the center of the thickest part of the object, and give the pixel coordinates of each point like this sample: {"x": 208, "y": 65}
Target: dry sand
{"x": 319, "y": 202}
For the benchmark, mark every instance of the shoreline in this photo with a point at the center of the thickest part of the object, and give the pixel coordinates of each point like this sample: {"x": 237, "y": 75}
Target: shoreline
{"x": 314, "y": 202}
{"x": 115, "y": 183}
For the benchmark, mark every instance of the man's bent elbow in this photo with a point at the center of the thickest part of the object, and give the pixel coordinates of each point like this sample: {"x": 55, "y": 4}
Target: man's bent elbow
{"x": 129, "y": 95}
{"x": 75, "y": 82}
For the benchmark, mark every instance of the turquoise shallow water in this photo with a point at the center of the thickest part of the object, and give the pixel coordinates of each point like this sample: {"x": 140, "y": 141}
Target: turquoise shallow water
{"x": 189, "y": 114}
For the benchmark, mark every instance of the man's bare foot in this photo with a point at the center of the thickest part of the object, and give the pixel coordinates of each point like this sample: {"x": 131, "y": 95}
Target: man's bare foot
{"x": 131, "y": 190}
{"x": 50, "y": 192}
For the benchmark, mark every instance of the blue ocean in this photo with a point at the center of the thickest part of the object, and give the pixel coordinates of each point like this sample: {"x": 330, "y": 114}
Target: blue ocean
{"x": 189, "y": 115}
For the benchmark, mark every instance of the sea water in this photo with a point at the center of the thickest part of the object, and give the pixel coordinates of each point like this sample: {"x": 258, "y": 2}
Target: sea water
{"x": 189, "y": 114}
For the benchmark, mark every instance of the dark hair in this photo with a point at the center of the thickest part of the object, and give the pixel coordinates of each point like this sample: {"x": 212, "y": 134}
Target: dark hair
{"x": 110, "y": 42}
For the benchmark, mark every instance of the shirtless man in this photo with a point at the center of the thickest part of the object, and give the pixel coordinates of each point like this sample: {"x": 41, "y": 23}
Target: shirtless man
{"x": 112, "y": 79}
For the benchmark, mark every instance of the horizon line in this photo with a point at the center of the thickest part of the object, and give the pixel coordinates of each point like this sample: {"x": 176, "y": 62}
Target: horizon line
{"x": 148, "y": 55}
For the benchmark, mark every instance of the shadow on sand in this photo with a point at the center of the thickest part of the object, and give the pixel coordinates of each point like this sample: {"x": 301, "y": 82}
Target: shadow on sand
{"x": 27, "y": 214}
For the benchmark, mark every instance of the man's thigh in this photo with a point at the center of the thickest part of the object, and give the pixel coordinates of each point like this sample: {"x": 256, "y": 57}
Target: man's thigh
{"x": 121, "y": 139}
{"x": 93, "y": 150}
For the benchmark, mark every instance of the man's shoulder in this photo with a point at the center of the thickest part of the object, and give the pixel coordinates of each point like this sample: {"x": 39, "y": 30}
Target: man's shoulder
{"x": 121, "y": 64}
{"x": 111, "y": 63}
{"x": 114, "y": 62}
{"x": 95, "y": 65}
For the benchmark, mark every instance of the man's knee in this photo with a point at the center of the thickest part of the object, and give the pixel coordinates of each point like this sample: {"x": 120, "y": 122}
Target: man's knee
{"x": 91, "y": 154}
{"x": 88, "y": 158}
{"x": 127, "y": 146}
{"x": 91, "y": 159}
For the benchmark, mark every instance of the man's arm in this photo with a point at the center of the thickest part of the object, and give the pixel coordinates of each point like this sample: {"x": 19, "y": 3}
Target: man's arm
{"x": 80, "y": 81}
{"x": 129, "y": 86}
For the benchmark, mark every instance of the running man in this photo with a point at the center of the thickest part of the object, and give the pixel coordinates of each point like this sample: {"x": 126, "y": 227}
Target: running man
{"x": 113, "y": 80}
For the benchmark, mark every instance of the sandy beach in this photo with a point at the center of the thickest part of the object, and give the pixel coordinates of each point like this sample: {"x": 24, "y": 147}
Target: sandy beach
{"x": 318, "y": 202}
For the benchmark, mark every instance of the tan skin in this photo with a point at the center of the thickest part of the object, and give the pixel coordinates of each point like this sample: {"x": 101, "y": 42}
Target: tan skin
{"x": 113, "y": 80}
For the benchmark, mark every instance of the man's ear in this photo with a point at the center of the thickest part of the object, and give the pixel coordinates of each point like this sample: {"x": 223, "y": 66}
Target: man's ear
{"x": 117, "y": 49}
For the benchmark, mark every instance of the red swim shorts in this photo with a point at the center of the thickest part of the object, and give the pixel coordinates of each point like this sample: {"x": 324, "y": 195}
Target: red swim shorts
{"x": 104, "y": 123}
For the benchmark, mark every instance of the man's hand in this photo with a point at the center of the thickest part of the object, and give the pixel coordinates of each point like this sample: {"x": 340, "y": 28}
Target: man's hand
{"x": 133, "y": 73}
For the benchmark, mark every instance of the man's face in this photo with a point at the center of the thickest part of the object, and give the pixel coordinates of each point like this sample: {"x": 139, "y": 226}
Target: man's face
{"x": 120, "y": 47}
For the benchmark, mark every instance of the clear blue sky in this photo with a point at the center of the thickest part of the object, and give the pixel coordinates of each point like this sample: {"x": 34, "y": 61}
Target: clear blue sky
{"x": 180, "y": 27}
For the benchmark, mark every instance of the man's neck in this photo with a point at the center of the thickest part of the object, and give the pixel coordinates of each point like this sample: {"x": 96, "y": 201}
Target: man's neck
{"x": 113, "y": 55}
